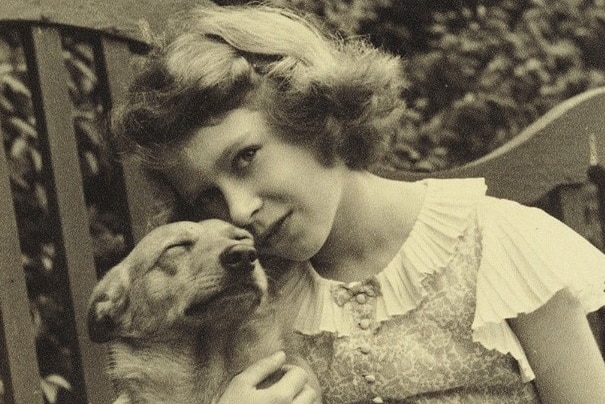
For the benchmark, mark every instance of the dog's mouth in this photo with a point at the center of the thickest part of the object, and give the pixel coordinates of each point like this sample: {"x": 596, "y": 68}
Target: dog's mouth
{"x": 241, "y": 298}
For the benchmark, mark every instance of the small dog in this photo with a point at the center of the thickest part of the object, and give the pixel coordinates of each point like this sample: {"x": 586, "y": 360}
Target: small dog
{"x": 184, "y": 312}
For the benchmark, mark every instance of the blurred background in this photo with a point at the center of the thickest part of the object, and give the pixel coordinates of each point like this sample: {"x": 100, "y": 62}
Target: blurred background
{"x": 479, "y": 72}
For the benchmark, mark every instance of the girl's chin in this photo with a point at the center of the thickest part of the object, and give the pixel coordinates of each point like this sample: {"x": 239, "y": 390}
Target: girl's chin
{"x": 297, "y": 246}
{"x": 291, "y": 252}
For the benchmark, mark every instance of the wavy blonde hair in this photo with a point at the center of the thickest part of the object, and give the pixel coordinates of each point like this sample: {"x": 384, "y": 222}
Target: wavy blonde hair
{"x": 340, "y": 97}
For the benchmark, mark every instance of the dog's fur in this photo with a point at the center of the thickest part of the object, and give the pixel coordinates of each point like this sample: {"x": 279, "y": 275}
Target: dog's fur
{"x": 187, "y": 310}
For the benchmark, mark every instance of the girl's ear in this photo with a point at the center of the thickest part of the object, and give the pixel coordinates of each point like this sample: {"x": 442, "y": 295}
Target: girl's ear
{"x": 108, "y": 305}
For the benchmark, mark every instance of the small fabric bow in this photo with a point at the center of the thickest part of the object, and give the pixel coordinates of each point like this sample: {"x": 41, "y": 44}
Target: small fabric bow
{"x": 343, "y": 293}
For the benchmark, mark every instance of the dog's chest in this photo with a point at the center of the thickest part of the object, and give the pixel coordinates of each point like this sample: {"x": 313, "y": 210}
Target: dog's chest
{"x": 175, "y": 377}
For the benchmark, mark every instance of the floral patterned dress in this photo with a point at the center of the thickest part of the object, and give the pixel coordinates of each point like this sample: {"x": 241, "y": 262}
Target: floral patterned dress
{"x": 430, "y": 327}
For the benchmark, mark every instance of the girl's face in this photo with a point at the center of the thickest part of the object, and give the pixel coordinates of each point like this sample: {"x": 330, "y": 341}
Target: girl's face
{"x": 243, "y": 172}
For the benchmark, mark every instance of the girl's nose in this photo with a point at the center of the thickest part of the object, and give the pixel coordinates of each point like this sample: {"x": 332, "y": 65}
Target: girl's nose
{"x": 242, "y": 205}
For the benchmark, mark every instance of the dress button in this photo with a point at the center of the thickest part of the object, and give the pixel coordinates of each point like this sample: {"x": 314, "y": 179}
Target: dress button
{"x": 365, "y": 349}
{"x": 364, "y": 324}
{"x": 361, "y": 298}
{"x": 370, "y": 378}
{"x": 377, "y": 400}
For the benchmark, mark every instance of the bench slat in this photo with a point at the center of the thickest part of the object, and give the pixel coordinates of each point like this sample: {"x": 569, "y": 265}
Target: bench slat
{"x": 115, "y": 17}
{"x": 73, "y": 215}
{"x": 17, "y": 340}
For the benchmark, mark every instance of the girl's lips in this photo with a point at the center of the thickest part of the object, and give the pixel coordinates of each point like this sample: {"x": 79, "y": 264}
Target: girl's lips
{"x": 266, "y": 237}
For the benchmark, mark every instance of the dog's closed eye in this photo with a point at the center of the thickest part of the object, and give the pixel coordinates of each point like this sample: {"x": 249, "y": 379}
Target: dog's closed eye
{"x": 177, "y": 249}
{"x": 168, "y": 261}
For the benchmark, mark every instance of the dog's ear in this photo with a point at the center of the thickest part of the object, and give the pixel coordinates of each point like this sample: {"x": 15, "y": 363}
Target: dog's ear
{"x": 108, "y": 304}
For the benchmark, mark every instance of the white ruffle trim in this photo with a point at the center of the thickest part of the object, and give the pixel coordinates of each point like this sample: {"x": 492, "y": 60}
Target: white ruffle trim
{"x": 525, "y": 261}
{"x": 428, "y": 249}
{"x": 521, "y": 267}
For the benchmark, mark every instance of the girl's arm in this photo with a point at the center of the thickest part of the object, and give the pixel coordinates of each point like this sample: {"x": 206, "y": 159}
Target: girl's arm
{"x": 562, "y": 351}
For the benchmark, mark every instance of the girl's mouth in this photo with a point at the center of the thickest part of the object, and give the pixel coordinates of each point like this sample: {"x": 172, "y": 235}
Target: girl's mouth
{"x": 272, "y": 232}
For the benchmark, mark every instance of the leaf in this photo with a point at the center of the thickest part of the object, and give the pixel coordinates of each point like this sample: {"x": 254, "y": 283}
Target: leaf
{"x": 22, "y": 127}
{"x": 51, "y": 385}
{"x": 59, "y": 381}
{"x": 16, "y": 86}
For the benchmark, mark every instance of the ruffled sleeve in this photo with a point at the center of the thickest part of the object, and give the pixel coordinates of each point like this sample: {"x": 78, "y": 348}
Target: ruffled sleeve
{"x": 527, "y": 257}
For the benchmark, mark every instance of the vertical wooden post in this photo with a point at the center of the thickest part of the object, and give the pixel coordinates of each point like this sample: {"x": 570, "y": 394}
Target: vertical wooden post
{"x": 70, "y": 204}
{"x": 18, "y": 362}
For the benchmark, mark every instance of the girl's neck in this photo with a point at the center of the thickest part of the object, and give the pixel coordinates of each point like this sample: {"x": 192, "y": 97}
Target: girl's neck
{"x": 374, "y": 218}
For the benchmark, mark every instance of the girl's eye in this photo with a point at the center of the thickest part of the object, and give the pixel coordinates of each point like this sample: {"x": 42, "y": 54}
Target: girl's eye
{"x": 244, "y": 158}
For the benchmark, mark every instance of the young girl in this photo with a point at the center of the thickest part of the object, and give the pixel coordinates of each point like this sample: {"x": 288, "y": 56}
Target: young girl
{"x": 422, "y": 292}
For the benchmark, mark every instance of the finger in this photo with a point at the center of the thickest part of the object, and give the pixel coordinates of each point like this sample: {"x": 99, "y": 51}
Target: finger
{"x": 307, "y": 395}
{"x": 295, "y": 378}
{"x": 262, "y": 369}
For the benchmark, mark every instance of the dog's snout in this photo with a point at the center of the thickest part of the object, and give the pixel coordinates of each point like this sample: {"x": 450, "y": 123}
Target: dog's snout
{"x": 239, "y": 257}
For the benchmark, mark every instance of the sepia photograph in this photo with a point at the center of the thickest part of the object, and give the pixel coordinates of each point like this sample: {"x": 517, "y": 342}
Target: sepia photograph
{"x": 302, "y": 201}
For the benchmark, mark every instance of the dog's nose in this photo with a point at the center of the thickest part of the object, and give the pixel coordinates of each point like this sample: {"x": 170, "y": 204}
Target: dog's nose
{"x": 239, "y": 257}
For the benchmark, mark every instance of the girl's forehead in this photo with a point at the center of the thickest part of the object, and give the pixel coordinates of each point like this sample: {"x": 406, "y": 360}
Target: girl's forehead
{"x": 214, "y": 140}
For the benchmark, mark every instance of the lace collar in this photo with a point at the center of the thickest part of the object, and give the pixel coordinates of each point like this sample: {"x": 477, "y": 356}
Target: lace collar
{"x": 427, "y": 250}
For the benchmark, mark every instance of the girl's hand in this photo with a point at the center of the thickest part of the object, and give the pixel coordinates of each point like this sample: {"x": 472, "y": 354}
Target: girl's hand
{"x": 292, "y": 387}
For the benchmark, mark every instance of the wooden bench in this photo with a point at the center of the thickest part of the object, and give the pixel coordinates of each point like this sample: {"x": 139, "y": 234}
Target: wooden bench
{"x": 546, "y": 165}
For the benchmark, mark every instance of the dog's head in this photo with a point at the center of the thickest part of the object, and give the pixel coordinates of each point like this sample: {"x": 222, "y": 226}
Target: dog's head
{"x": 179, "y": 278}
